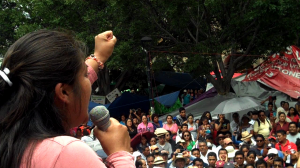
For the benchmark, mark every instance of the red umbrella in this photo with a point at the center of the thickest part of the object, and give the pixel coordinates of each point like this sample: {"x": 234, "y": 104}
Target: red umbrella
{"x": 137, "y": 138}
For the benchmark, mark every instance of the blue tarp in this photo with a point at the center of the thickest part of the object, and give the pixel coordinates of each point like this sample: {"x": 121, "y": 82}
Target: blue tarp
{"x": 127, "y": 101}
{"x": 168, "y": 100}
{"x": 180, "y": 80}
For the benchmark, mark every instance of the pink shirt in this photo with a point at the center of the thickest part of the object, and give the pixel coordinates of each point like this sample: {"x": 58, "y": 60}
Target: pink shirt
{"x": 174, "y": 128}
{"x": 142, "y": 128}
{"x": 65, "y": 151}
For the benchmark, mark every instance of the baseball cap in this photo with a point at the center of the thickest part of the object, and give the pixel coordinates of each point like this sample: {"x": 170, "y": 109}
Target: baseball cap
{"x": 272, "y": 151}
{"x": 227, "y": 141}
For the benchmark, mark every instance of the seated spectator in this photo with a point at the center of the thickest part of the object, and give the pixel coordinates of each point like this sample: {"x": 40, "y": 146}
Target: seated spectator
{"x": 280, "y": 109}
{"x": 179, "y": 161}
{"x": 156, "y": 123}
{"x": 209, "y": 139}
{"x": 270, "y": 112}
{"x": 131, "y": 128}
{"x": 184, "y": 128}
{"x": 293, "y": 115}
{"x": 196, "y": 152}
{"x": 171, "y": 126}
{"x": 141, "y": 163}
{"x": 207, "y": 115}
{"x": 145, "y": 151}
{"x": 192, "y": 126}
{"x": 135, "y": 122}
{"x": 251, "y": 156}
{"x": 260, "y": 144}
{"x": 170, "y": 140}
{"x": 203, "y": 151}
{"x": 260, "y": 163}
{"x": 272, "y": 154}
{"x": 153, "y": 141}
{"x": 189, "y": 143}
{"x": 221, "y": 143}
{"x": 222, "y": 125}
{"x": 205, "y": 129}
{"x": 123, "y": 119}
{"x": 245, "y": 125}
{"x": 198, "y": 163}
{"x": 145, "y": 126}
{"x": 150, "y": 161}
{"x": 212, "y": 159}
{"x": 228, "y": 142}
{"x": 163, "y": 145}
{"x": 262, "y": 125}
{"x": 164, "y": 154}
{"x": 245, "y": 149}
{"x": 239, "y": 159}
{"x": 234, "y": 124}
{"x": 278, "y": 162}
{"x": 284, "y": 144}
{"x": 230, "y": 153}
{"x": 143, "y": 143}
{"x": 281, "y": 125}
{"x": 159, "y": 162}
{"x": 293, "y": 132}
{"x": 223, "y": 155}
{"x": 247, "y": 139}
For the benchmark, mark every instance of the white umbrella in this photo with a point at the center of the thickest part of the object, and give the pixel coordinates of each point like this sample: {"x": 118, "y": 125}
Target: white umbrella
{"x": 236, "y": 105}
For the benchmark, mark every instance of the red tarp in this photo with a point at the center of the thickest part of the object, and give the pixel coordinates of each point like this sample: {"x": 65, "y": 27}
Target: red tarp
{"x": 280, "y": 72}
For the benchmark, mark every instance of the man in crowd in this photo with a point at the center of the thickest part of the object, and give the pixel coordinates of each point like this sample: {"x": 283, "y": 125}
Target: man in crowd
{"x": 227, "y": 142}
{"x": 150, "y": 161}
{"x": 260, "y": 143}
{"x": 278, "y": 162}
{"x": 270, "y": 113}
{"x": 293, "y": 132}
{"x": 223, "y": 155}
{"x": 186, "y": 98}
{"x": 262, "y": 125}
{"x": 261, "y": 163}
{"x": 212, "y": 159}
{"x": 163, "y": 145}
{"x": 284, "y": 144}
{"x": 145, "y": 152}
{"x": 286, "y": 107}
{"x": 235, "y": 123}
{"x": 220, "y": 140}
{"x": 198, "y": 163}
{"x": 203, "y": 151}
{"x": 239, "y": 159}
{"x": 209, "y": 138}
{"x": 196, "y": 152}
{"x": 254, "y": 117}
{"x": 181, "y": 118}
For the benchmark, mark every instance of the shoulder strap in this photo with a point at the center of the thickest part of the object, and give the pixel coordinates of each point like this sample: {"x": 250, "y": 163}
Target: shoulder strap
{"x": 258, "y": 122}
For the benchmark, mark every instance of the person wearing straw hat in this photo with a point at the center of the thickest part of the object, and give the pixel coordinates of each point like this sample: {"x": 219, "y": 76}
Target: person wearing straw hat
{"x": 162, "y": 144}
{"x": 179, "y": 161}
{"x": 159, "y": 162}
{"x": 247, "y": 139}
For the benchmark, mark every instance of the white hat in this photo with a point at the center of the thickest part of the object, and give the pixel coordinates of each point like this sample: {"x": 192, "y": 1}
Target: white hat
{"x": 230, "y": 151}
{"x": 160, "y": 131}
{"x": 273, "y": 151}
{"x": 209, "y": 144}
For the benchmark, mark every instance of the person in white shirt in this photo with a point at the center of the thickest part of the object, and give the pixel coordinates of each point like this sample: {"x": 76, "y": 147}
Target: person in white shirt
{"x": 184, "y": 127}
{"x": 203, "y": 151}
{"x": 235, "y": 123}
{"x": 293, "y": 133}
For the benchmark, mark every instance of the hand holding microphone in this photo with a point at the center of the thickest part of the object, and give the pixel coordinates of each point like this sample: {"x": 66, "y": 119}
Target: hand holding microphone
{"x": 112, "y": 135}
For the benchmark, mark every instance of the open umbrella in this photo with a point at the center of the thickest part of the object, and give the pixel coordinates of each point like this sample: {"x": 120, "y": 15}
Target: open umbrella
{"x": 137, "y": 138}
{"x": 236, "y": 105}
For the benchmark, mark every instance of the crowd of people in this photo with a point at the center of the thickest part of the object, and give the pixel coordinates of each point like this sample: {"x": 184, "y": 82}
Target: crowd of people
{"x": 258, "y": 139}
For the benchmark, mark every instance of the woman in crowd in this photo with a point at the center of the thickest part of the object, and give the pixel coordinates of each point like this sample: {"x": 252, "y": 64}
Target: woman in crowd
{"x": 189, "y": 143}
{"x": 153, "y": 141}
{"x": 170, "y": 140}
{"x": 131, "y": 128}
{"x": 123, "y": 119}
{"x": 145, "y": 126}
{"x": 207, "y": 115}
{"x": 245, "y": 149}
{"x": 192, "y": 126}
{"x": 45, "y": 88}
{"x": 251, "y": 156}
{"x": 197, "y": 121}
{"x": 135, "y": 122}
{"x": 293, "y": 115}
{"x": 171, "y": 126}
{"x": 281, "y": 125}
{"x": 245, "y": 125}
{"x": 156, "y": 123}
{"x": 222, "y": 125}
{"x": 205, "y": 129}
{"x": 143, "y": 143}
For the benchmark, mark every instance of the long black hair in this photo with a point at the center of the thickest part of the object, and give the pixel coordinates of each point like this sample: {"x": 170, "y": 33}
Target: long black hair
{"x": 37, "y": 62}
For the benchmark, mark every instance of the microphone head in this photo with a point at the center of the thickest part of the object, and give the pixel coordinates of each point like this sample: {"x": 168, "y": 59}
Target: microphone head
{"x": 100, "y": 117}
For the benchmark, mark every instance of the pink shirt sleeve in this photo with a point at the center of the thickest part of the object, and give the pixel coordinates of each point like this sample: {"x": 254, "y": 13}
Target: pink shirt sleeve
{"x": 78, "y": 155}
{"x": 92, "y": 74}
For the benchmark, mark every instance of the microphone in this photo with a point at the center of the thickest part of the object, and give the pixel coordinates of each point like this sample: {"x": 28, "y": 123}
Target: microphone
{"x": 100, "y": 117}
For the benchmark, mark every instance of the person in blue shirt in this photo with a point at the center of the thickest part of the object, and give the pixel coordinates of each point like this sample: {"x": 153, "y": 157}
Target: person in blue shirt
{"x": 186, "y": 98}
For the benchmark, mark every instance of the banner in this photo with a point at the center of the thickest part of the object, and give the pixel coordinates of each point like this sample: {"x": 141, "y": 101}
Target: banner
{"x": 280, "y": 72}
{"x": 98, "y": 99}
{"x": 113, "y": 95}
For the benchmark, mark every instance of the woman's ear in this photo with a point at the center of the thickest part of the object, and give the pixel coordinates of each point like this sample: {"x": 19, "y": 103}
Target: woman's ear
{"x": 63, "y": 92}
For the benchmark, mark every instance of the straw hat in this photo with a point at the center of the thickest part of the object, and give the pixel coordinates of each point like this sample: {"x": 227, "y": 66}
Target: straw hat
{"x": 246, "y": 135}
{"x": 181, "y": 141}
{"x": 158, "y": 160}
{"x": 179, "y": 156}
{"x": 160, "y": 132}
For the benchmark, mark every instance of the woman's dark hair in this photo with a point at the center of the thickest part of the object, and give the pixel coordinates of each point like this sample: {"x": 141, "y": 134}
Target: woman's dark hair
{"x": 182, "y": 135}
{"x": 169, "y": 116}
{"x": 244, "y": 146}
{"x": 37, "y": 62}
{"x": 153, "y": 116}
{"x": 204, "y": 115}
{"x": 251, "y": 152}
{"x": 295, "y": 112}
{"x": 132, "y": 126}
{"x": 260, "y": 136}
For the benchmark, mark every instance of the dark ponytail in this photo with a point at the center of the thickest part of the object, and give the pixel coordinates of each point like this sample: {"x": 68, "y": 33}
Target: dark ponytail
{"x": 37, "y": 62}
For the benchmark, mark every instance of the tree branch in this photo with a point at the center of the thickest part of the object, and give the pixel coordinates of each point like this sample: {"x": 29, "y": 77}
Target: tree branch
{"x": 191, "y": 35}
